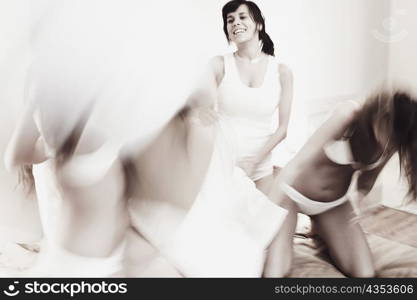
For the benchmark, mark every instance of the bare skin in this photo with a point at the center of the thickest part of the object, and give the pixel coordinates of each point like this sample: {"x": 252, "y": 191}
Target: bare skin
{"x": 80, "y": 224}
{"x": 312, "y": 174}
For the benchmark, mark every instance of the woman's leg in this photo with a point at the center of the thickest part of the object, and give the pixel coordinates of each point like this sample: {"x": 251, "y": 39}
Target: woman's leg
{"x": 346, "y": 241}
{"x": 280, "y": 252}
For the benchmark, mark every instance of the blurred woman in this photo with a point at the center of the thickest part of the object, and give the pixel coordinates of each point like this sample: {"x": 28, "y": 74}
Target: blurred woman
{"x": 80, "y": 186}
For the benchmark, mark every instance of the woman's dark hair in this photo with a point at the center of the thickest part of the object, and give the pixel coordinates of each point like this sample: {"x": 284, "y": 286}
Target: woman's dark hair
{"x": 405, "y": 137}
{"x": 394, "y": 113}
{"x": 257, "y": 17}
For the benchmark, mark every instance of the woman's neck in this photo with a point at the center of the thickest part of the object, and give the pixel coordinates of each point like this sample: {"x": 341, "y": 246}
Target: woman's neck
{"x": 251, "y": 50}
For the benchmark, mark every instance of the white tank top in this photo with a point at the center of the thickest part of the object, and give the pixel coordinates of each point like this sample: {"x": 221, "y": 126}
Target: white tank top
{"x": 257, "y": 104}
{"x": 251, "y": 113}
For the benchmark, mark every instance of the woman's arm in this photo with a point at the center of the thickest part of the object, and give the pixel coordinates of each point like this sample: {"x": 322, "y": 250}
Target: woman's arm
{"x": 284, "y": 110}
{"x": 200, "y": 117}
{"x": 26, "y": 146}
{"x": 367, "y": 178}
{"x": 201, "y": 102}
{"x": 204, "y": 94}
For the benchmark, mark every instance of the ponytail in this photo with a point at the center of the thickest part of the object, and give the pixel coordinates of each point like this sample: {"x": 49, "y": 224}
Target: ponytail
{"x": 257, "y": 17}
{"x": 267, "y": 43}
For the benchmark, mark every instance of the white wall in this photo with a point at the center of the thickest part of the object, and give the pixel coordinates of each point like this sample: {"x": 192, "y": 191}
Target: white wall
{"x": 334, "y": 56}
{"x": 331, "y": 50}
{"x": 399, "y": 33}
{"x": 18, "y": 215}
{"x": 401, "y": 37}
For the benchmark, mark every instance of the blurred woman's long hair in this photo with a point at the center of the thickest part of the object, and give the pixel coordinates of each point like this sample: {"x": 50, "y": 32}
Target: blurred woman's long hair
{"x": 395, "y": 115}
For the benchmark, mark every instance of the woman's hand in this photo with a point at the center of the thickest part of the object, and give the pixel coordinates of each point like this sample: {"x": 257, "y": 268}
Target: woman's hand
{"x": 203, "y": 116}
{"x": 248, "y": 166}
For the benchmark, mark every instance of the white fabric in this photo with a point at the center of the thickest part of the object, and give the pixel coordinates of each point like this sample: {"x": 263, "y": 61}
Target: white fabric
{"x": 339, "y": 152}
{"x": 48, "y": 195}
{"x": 251, "y": 111}
{"x": 230, "y": 225}
{"x": 113, "y": 64}
{"x": 53, "y": 261}
{"x": 308, "y": 206}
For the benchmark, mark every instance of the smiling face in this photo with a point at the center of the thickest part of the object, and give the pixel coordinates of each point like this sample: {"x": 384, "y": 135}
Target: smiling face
{"x": 240, "y": 25}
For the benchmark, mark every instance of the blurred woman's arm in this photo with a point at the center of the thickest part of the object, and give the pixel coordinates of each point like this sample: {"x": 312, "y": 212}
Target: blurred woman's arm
{"x": 204, "y": 95}
{"x": 26, "y": 146}
{"x": 200, "y": 117}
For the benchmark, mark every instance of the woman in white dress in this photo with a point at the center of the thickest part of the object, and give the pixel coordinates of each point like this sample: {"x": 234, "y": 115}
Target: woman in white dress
{"x": 231, "y": 222}
{"x": 253, "y": 89}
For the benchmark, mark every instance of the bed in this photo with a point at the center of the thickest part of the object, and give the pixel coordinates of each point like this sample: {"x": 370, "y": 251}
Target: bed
{"x": 391, "y": 234}
{"x": 392, "y": 237}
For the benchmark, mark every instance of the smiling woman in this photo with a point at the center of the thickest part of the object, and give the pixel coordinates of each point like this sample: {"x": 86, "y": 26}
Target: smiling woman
{"x": 232, "y": 222}
{"x": 250, "y": 23}
{"x": 253, "y": 89}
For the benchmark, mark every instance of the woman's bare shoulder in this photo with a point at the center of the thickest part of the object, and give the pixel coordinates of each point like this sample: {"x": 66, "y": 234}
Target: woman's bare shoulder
{"x": 348, "y": 109}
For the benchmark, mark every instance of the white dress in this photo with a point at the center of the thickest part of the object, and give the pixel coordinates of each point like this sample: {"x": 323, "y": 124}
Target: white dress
{"x": 230, "y": 225}
{"x": 251, "y": 111}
